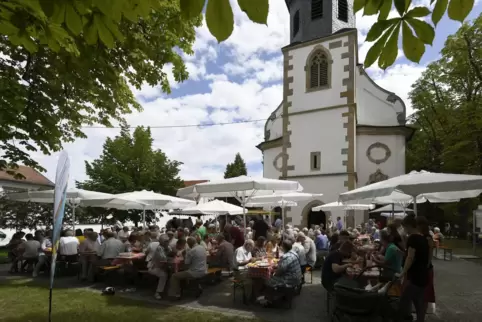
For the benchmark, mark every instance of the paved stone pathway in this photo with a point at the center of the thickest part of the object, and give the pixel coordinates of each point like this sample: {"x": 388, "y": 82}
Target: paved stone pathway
{"x": 458, "y": 290}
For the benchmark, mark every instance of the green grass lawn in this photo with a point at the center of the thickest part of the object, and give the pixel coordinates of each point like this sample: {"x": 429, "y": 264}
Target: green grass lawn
{"x": 3, "y": 256}
{"x": 30, "y": 304}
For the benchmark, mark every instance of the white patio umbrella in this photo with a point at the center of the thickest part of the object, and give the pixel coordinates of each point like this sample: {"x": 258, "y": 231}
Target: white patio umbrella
{"x": 75, "y": 197}
{"x": 333, "y": 206}
{"x": 436, "y": 185}
{"x": 273, "y": 204}
{"x": 215, "y": 207}
{"x": 338, "y": 205}
{"x": 142, "y": 200}
{"x": 283, "y": 197}
{"x": 392, "y": 209}
{"x": 243, "y": 188}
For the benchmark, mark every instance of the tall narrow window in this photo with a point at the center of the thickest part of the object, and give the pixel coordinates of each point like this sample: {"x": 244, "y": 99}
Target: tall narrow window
{"x": 316, "y": 9}
{"x": 296, "y": 23}
{"x": 343, "y": 10}
{"x": 318, "y": 69}
{"x": 315, "y": 162}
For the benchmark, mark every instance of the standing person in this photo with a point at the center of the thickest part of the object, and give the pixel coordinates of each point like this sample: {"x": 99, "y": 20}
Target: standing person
{"x": 260, "y": 229}
{"x": 423, "y": 227}
{"x": 339, "y": 224}
{"x": 415, "y": 272}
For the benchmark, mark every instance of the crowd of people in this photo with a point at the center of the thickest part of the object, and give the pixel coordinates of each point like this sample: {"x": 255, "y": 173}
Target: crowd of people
{"x": 405, "y": 247}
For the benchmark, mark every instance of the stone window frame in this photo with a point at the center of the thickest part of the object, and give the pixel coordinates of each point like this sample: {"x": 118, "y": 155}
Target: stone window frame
{"x": 343, "y": 7}
{"x": 316, "y": 155}
{"x": 315, "y": 50}
{"x": 296, "y": 23}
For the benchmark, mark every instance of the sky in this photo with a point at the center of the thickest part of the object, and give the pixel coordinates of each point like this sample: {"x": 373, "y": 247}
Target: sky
{"x": 237, "y": 80}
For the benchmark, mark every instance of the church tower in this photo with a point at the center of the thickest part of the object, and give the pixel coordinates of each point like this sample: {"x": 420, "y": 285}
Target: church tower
{"x": 334, "y": 126}
{"x": 311, "y": 19}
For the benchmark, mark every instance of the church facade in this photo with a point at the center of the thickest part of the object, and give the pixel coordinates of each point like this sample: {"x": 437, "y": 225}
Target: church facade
{"x": 335, "y": 128}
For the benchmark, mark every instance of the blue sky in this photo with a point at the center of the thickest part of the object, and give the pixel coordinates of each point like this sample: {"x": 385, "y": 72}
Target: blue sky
{"x": 236, "y": 80}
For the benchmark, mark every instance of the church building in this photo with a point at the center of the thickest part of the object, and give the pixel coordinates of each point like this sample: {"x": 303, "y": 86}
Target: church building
{"x": 335, "y": 129}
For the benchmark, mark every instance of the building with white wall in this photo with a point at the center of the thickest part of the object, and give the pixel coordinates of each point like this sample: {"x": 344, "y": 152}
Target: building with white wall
{"x": 335, "y": 128}
{"x": 32, "y": 180}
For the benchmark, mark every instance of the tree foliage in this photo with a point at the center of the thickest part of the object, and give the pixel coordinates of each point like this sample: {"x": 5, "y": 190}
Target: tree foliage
{"x": 236, "y": 168}
{"x": 416, "y": 32}
{"x": 27, "y": 215}
{"x": 447, "y": 100}
{"x": 65, "y": 64}
{"x": 129, "y": 163}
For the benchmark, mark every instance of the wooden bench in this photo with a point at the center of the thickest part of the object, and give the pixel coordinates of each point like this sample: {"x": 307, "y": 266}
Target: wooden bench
{"x": 213, "y": 275}
{"x": 446, "y": 250}
{"x": 107, "y": 271}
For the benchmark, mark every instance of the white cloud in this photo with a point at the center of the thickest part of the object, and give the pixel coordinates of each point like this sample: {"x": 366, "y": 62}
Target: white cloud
{"x": 246, "y": 86}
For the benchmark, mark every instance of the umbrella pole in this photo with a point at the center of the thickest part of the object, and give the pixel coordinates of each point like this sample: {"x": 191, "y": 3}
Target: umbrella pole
{"x": 474, "y": 232}
{"x": 244, "y": 213}
{"x": 283, "y": 216}
{"x": 415, "y": 206}
{"x": 73, "y": 217}
{"x": 144, "y": 217}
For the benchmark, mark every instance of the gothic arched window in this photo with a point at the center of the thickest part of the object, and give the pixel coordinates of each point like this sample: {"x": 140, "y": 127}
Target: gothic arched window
{"x": 343, "y": 10}
{"x": 318, "y": 69}
{"x": 316, "y": 9}
{"x": 296, "y": 23}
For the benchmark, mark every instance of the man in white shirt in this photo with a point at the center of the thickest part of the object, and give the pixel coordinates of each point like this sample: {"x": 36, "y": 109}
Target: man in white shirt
{"x": 299, "y": 249}
{"x": 123, "y": 234}
{"x": 242, "y": 257}
{"x": 197, "y": 267}
{"x": 68, "y": 247}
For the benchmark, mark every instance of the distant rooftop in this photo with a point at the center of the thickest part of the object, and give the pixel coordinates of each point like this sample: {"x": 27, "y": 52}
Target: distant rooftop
{"x": 188, "y": 183}
{"x": 32, "y": 176}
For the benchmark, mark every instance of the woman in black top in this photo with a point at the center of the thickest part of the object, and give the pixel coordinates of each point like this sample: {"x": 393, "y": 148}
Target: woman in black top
{"x": 415, "y": 271}
{"x": 423, "y": 227}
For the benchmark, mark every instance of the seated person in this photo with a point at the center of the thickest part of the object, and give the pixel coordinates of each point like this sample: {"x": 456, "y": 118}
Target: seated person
{"x": 29, "y": 250}
{"x": 438, "y": 236}
{"x": 158, "y": 264}
{"x": 299, "y": 248}
{"x": 243, "y": 255}
{"x": 195, "y": 261}
{"x": 333, "y": 267}
{"x": 392, "y": 258}
{"x": 259, "y": 250}
{"x": 343, "y": 236}
{"x": 287, "y": 274}
{"x": 224, "y": 254}
{"x": 272, "y": 246}
{"x": 69, "y": 247}
{"x": 89, "y": 245}
{"x": 180, "y": 248}
{"x": 45, "y": 247}
{"x": 108, "y": 251}
{"x": 132, "y": 244}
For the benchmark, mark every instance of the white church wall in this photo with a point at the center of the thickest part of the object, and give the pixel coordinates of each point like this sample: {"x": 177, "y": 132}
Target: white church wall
{"x": 373, "y": 108}
{"x": 392, "y": 167}
{"x": 330, "y": 187}
{"x": 269, "y": 170}
{"x": 320, "y": 131}
{"x": 301, "y": 100}
{"x": 274, "y": 126}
